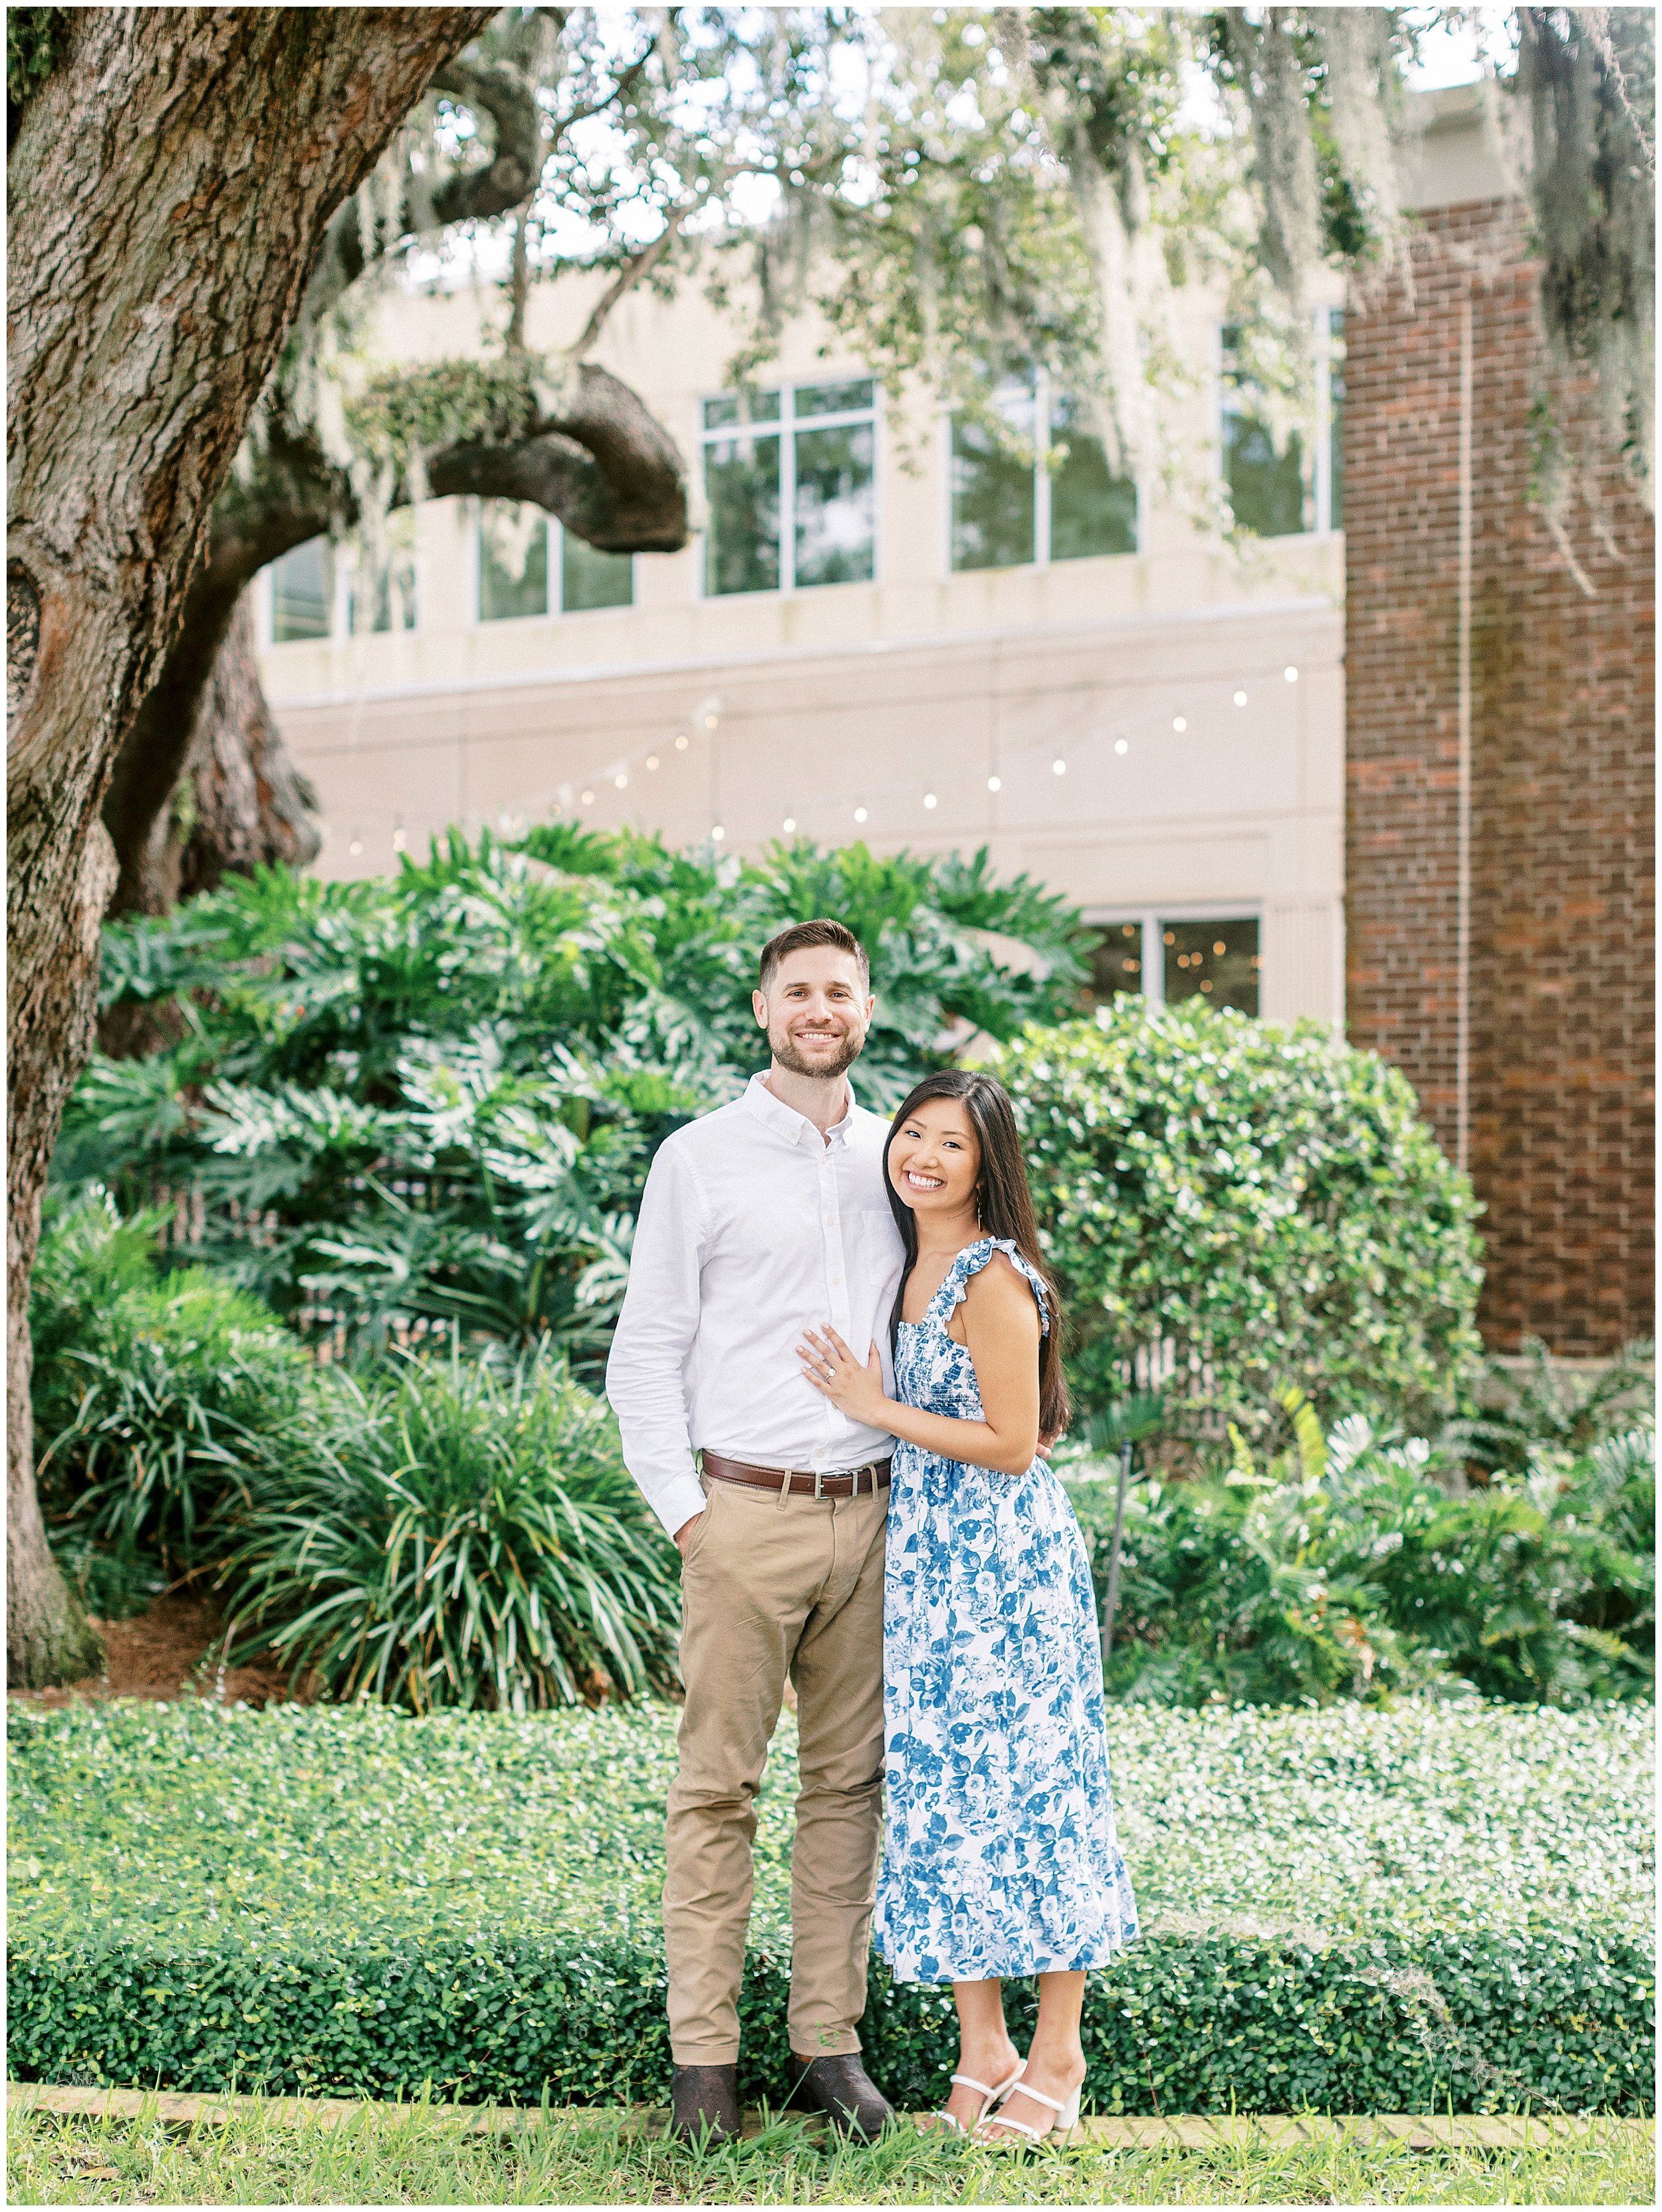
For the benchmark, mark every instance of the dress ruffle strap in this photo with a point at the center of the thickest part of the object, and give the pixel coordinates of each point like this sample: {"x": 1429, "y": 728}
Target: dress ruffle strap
{"x": 955, "y": 1289}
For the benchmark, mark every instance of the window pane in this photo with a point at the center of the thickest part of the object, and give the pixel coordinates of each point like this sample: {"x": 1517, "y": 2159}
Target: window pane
{"x": 764, "y": 407}
{"x": 1092, "y": 511}
{"x": 1216, "y": 961}
{"x": 1266, "y": 489}
{"x": 1336, "y": 418}
{"x": 589, "y": 578}
{"x": 1116, "y": 962}
{"x": 836, "y": 505}
{"x": 992, "y": 496}
{"x": 513, "y": 560}
{"x": 393, "y": 592}
{"x": 302, "y": 590}
{"x": 833, "y": 398}
{"x": 742, "y": 491}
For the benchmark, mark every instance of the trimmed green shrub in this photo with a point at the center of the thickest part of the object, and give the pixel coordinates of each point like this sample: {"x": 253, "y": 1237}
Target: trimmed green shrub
{"x": 434, "y": 1099}
{"x": 1347, "y": 1911}
{"x": 1354, "y": 1573}
{"x": 448, "y": 1534}
{"x": 1231, "y": 1207}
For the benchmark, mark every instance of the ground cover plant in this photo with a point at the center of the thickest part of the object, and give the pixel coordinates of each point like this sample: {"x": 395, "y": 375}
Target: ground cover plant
{"x": 1350, "y": 1566}
{"x": 434, "y": 2156}
{"x": 1439, "y": 1905}
{"x": 1232, "y": 1206}
{"x": 432, "y": 1099}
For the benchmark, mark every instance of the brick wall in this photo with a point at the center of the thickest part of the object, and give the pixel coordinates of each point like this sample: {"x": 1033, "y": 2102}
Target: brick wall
{"x": 1559, "y": 1071}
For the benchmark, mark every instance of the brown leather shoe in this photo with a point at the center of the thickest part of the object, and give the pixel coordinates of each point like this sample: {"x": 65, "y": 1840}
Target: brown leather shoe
{"x": 704, "y": 2105}
{"x": 840, "y": 2088}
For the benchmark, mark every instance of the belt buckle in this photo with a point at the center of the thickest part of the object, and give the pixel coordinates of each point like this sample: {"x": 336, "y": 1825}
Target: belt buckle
{"x": 819, "y": 1477}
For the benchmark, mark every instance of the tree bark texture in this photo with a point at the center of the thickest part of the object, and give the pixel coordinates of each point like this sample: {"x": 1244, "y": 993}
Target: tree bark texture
{"x": 599, "y": 460}
{"x": 169, "y": 188}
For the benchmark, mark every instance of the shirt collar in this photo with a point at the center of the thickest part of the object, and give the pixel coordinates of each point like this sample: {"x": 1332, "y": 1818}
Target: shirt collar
{"x": 785, "y": 1121}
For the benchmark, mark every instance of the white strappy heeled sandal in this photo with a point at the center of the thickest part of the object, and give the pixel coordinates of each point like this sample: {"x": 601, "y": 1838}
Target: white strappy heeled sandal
{"x": 1067, "y": 2118}
{"x": 969, "y": 2081}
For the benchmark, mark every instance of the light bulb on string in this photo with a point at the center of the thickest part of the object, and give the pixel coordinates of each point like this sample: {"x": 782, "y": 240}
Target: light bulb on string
{"x": 859, "y": 814}
{"x": 994, "y": 784}
{"x": 717, "y": 834}
{"x": 1291, "y": 674}
{"x": 621, "y": 779}
{"x": 1178, "y": 724}
{"x": 652, "y": 760}
{"x": 1058, "y": 768}
{"x": 1121, "y": 745}
{"x": 929, "y": 798}
{"x": 789, "y": 825}
{"x": 681, "y": 742}
{"x": 588, "y": 798}
{"x": 1241, "y": 698}
{"x": 355, "y": 847}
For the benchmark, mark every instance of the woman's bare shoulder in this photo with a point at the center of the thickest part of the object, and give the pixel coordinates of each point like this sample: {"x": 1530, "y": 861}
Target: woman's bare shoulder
{"x": 1000, "y": 1290}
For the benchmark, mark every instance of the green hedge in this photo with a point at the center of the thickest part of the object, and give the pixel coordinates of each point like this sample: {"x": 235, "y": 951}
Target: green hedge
{"x": 1349, "y": 1911}
{"x": 1252, "y": 1206}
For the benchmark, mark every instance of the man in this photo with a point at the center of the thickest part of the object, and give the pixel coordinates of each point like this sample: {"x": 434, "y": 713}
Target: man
{"x": 766, "y": 1218}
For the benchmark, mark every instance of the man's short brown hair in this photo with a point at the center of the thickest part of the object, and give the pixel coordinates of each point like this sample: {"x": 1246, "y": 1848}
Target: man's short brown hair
{"x": 803, "y": 937}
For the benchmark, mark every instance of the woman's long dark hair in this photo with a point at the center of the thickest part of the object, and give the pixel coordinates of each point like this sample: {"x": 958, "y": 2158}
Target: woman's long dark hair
{"x": 1004, "y": 1204}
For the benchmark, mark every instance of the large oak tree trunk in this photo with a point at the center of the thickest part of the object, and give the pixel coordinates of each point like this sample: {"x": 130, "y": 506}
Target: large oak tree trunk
{"x": 237, "y": 800}
{"x": 169, "y": 187}
{"x": 598, "y": 458}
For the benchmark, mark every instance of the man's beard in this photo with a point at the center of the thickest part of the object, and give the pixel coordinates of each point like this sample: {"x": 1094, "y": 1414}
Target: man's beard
{"x": 785, "y": 1052}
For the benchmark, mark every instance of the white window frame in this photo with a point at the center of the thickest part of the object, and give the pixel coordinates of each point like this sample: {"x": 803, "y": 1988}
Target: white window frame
{"x": 1152, "y": 920}
{"x": 784, "y": 429}
{"x": 337, "y": 598}
{"x": 1043, "y": 393}
{"x": 1319, "y": 431}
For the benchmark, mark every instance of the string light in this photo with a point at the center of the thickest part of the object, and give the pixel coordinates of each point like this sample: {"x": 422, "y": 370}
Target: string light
{"x": 1122, "y": 745}
{"x": 355, "y": 847}
{"x": 717, "y": 834}
{"x": 1291, "y": 674}
{"x": 680, "y": 742}
{"x": 621, "y": 779}
{"x": 929, "y": 798}
{"x": 789, "y": 825}
{"x": 859, "y": 814}
{"x": 1058, "y": 768}
{"x": 398, "y": 840}
{"x": 652, "y": 760}
{"x": 1241, "y": 698}
{"x": 1178, "y": 724}
{"x": 993, "y": 784}
{"x": 588, "y": 798}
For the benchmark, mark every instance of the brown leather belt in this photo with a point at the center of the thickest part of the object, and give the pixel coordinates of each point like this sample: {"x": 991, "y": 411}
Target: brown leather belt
{"x": 846, "y": 1482}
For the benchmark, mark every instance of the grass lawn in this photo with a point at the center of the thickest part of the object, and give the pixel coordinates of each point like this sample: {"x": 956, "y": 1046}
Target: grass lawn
{"x": 430, "y": 2157}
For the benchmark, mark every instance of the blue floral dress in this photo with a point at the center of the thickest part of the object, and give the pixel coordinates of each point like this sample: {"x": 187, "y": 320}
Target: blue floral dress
{"x": 999, "y": 1855}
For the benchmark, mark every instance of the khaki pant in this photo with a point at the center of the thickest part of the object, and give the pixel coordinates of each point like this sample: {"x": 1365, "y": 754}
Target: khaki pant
{"x": 776, "y": 1587}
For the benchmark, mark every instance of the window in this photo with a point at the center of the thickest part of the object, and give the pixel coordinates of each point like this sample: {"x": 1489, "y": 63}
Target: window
{"x": 303, "y": 593}
{"x": 1169, "y": 958}
{"x": 394, "y": 605}
{"x": 515, "y": 569}
{"x": 1280, "y": 490}
{"x": 1064, "y": 504}
{"x": 790, "y": 484}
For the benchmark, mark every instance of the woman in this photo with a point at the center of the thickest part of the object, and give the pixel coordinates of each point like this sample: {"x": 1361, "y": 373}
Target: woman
{"x": 1000, "y": 1856}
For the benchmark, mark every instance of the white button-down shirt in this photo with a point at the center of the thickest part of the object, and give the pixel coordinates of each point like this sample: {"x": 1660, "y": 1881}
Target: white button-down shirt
{"x": 753, "y": 1227}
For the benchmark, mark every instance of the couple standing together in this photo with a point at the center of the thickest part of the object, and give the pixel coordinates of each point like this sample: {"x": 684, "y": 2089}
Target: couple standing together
{"x": 849, "y": 1325}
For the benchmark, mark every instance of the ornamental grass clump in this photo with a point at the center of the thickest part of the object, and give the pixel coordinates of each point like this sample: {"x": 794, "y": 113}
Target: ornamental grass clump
{"x": 159, "y": 1400}
{"x": 1231, "y": 1207}
{"x": 458, "y": 1534}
